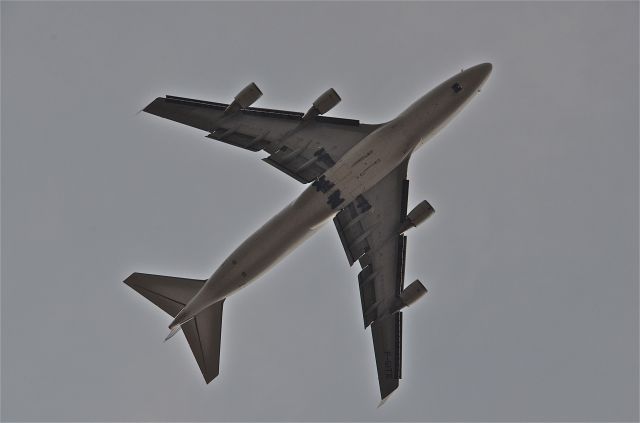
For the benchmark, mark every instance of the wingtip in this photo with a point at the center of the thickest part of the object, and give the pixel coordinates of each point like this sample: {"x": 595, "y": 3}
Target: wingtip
{"x": 129, "y": 281}
{"x": 209, "y": 378}
{"x": 146, "y": 108}
{"x": 173, "y": 331}
{"x": 384, "y": 399}
{"x": 135, "y": 280}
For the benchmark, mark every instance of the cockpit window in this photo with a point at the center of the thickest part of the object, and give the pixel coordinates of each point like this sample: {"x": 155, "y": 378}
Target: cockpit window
{"x": 456, "y": 87}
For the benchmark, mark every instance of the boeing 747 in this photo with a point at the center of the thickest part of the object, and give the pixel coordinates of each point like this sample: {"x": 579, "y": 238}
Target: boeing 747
{"x": 358, "y": 176}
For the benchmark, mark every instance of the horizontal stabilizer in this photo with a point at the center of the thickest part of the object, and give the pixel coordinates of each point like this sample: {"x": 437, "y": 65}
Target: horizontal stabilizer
{"x": 169, "y": 293}
{"x": 202, "y": 332}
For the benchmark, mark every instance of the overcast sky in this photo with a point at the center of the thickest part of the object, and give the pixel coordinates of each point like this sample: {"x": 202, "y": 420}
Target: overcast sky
{"x": 531, "y": 259}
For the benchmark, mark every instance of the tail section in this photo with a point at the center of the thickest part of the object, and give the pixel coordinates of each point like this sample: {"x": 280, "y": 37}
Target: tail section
{"x": 203, "y": 335}
{"x": 202, "y": 332}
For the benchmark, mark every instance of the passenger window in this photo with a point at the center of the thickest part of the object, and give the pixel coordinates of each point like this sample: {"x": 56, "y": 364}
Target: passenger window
{"x": 456, "y": 87}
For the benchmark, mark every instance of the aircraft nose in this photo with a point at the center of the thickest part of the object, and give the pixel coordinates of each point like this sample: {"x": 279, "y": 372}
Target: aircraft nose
{"x": 475, "y": 76}
{"x": 480, "y": 72}
{"x": 485, "y": 69}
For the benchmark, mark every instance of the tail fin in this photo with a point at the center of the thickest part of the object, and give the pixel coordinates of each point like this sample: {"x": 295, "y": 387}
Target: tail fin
{"x": 202, "y": 332}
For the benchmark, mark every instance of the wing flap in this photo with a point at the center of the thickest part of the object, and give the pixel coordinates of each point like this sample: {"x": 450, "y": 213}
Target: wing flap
{"x": 305, "y": 165}
{"x": 247, "y": 142}
{"x": 366, "y": 283}
{"x": 350, "y": 226}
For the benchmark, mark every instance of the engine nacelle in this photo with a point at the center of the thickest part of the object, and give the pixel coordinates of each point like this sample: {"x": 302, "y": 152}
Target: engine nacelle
{"x": 323, "y": 104}
{"x": 419, "y": 214}
{"x": 245, "y": 98}
{"x": 408, "y": 296}
{"x": 412, "y": 293}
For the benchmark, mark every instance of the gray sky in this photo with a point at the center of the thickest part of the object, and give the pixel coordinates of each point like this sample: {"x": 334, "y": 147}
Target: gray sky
{"x": 531, "y": 259}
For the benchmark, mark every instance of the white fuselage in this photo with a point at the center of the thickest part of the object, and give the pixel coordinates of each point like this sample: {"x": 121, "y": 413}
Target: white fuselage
{"x": 357, "y": 171}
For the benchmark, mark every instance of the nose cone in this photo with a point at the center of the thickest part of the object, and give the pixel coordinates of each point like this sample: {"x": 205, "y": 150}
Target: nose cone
{"x": 476, "y": 75}
{"x": 484, "y": 70}
{"x": 469, "y": 81}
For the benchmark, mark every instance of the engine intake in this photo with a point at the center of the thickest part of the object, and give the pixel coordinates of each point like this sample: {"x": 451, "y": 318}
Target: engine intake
{"x": 419, "y": 214}
{"x": 245, "y": 98}
{"x": 323, "y": 104}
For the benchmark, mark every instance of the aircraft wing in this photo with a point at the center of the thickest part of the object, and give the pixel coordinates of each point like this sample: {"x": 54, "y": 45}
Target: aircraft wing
{"x": 303, "y": 149}
{"x": 369, "y": 230}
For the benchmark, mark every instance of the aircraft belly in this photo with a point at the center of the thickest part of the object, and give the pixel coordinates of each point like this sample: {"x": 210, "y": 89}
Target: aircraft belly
{"x": 268, "y": 245}
{"x": 295, "y": 223}
{"x": 359, "y": 170}
{"x": 370, "y": 161}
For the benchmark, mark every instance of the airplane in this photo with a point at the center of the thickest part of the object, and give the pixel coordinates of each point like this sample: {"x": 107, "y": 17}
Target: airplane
{"x": 358, "y": 176}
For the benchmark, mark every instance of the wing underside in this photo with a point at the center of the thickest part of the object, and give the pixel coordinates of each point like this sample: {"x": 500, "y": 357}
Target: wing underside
{"x": 303, "y": 149}
{"x": 369, "y": 231}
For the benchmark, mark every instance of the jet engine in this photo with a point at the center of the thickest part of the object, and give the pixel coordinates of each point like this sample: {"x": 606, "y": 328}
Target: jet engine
{"x": 245, "y": 98}
{"x": 419, "y": 214}
{"x": 408, "y": 296}
{"x": 323, "y": 104}
{"x": 413, "y": 292}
